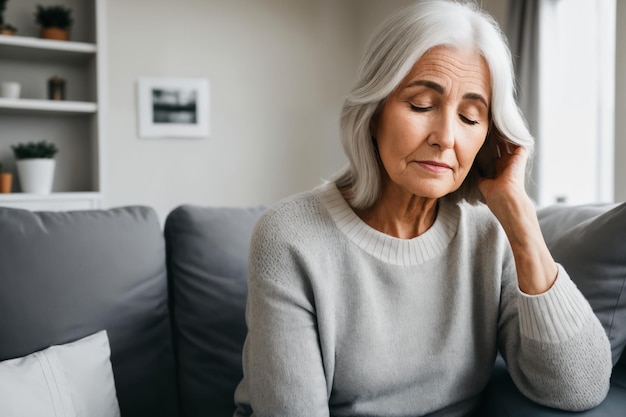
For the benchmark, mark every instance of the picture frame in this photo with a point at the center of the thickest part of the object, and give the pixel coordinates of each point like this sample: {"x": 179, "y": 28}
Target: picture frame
{"x": 174, "y": 107}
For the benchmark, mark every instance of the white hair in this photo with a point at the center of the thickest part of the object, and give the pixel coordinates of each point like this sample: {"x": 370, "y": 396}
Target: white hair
{"x": 392, "y": 52}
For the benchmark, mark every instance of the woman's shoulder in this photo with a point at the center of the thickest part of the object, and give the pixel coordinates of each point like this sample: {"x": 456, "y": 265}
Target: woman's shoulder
{"x": 291, "y": 215}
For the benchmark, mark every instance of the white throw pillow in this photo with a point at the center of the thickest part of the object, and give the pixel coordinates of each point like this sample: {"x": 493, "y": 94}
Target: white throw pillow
{"x": 71, "y": 380}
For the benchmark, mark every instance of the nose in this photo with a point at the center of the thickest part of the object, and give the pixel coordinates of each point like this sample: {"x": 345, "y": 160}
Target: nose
{"x": 442, "y": 131}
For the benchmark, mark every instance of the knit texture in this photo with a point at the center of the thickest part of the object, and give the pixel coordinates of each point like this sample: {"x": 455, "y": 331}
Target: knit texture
{"x": 347, "y": 321}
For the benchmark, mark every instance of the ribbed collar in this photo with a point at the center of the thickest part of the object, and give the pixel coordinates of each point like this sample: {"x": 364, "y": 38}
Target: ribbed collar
{"x": 387, "y": 248}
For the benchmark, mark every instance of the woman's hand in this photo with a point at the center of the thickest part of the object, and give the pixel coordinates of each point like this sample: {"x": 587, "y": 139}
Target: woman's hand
{"x": 508, "y": 183}
{"x": 506, "y": 197}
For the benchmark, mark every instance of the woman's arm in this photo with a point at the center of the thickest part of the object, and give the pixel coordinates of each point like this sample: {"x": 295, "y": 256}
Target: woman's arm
{"x": 507, "y": 199}
{"x": 555, "y": 347}
{"x": 282, "y": 362}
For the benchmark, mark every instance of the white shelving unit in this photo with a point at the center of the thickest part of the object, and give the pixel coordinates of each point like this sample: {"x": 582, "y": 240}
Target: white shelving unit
{"x": 75, "y": 125}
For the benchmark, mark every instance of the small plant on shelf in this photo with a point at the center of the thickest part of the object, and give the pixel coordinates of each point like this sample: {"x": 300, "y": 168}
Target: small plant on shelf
{"x": 35, "y": 150}
{"x": 35, "y": 166}
{"x": 55, "y": 21}
{"x": 5, "y": 28}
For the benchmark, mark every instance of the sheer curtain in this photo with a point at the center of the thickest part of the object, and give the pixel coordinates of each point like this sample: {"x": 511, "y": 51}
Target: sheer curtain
{"x": 564, "y": 54}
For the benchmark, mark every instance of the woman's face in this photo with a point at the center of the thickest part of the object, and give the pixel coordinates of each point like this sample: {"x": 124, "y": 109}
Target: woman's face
{"x": 432, "y": 126}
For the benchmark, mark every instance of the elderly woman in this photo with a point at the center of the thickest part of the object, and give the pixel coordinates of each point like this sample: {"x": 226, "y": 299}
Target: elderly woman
{"x": 390, "y": 290}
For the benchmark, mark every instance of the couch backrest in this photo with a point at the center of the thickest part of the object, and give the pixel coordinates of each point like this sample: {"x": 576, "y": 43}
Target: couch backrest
{"x": 207, "y": 253}
{"x": 65, "y": 275}
{"x": 590, "y": 242}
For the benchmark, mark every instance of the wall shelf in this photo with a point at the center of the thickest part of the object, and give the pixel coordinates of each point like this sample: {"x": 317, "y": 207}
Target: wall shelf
{"x": 29, "y": 106}
{"x": 54, "y": 201}
{"x": 28, "y": 48}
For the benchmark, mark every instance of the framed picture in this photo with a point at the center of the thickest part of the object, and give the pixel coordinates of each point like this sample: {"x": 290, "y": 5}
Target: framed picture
{"x": 173, "y": 107}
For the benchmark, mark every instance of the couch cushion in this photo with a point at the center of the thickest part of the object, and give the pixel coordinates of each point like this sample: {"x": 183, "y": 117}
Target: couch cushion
{"x": 69, "y": 380}
{"x": 590, "y": 242}
{"x": 207, "y": 253}
{"x": 65, "y": 275}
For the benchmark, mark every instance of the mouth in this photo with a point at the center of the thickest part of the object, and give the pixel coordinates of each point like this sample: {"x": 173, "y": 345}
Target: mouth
{"x": 434, "y": 166}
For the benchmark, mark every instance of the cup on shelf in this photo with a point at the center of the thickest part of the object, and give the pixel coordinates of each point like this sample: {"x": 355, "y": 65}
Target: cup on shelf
{"x": 6, "y": 182}
{"x": 10, "y": 89}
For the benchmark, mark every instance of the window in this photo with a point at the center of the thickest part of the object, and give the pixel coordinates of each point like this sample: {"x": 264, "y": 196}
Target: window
{"x": 575, "y": 79}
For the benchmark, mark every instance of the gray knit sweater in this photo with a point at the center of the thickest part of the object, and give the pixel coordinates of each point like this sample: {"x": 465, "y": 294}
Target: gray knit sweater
{"x": 347, "y": 321}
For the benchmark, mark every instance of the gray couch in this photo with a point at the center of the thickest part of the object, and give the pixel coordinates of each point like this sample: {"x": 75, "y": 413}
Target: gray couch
{"x": 172, "y": 301}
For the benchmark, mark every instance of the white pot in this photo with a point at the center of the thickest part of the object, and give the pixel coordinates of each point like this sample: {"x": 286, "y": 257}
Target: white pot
{"x": 9, "y": 89}
{"x": 36, "y": 175}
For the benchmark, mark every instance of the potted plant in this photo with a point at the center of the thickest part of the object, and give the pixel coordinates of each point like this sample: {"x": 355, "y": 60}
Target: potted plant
{"x": 35, "y": 166}
{"x": 55, "y": 22}
{"x": 5, "y": 28}
{"x": 6, "y": 181}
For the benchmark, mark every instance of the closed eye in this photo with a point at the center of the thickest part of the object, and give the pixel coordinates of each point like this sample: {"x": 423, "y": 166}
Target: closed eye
{"x": 468, "y": 121}
{"x": 420, "y": 109}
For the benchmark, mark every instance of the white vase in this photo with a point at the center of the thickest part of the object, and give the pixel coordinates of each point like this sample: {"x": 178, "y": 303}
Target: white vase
{"x": 36, "y": 175}
{"x": 9, "y": 89}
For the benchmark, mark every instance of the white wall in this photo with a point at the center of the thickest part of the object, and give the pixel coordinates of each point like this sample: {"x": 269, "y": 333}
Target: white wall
{"x": 278, "y": 70}
{"x": 369, "y": 15}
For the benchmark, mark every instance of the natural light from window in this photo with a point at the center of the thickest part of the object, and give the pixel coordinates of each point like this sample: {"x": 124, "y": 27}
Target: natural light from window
{"x": 576, "y": 101}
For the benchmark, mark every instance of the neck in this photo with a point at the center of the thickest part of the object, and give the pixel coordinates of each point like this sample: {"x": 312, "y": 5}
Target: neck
{"x": 400, "y": 215}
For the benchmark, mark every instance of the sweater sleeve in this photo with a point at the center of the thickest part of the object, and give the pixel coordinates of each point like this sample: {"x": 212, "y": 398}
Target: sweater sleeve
{"x": 282, "y": 361}
{"x": 556, "y": 350}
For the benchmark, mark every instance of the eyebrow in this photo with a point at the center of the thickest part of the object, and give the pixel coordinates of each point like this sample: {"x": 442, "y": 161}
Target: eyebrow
{"x": 439, "y": 89}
